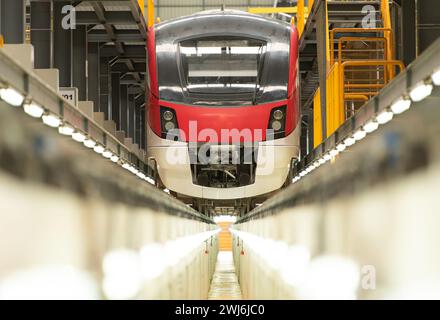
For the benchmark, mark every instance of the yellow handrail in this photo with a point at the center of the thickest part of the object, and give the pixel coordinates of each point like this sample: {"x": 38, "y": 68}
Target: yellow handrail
{"x": 355, "y": 30}
{"x": 300, "y": 17}
{"x": 142, "y": 6}
{"x": 2, "y": 41}
{"x": 268, "y": 10}
{"x": 334, "y": 97}
{"x": 150, "y": 13}
{"x": 355, "y": 39}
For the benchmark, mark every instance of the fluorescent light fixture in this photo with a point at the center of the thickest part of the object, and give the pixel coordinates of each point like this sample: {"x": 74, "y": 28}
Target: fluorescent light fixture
{"x": 151, "y": 180}
{"x": 341, "y": 147}
{"x": 384, "y": 117}
{"x": 114, "y": 158}
{"x": 141, "y": 175}
{"x": 89, "y": 143}
{"x": 327, "y": 157}
{"x": 321, "y": 161}
{"x": 421, "y": 91}
{"x": 349, "y": 142}
{"x": 166, "y": 191}
{"x": 436, "y": 77}
{"x": 33, "y": 109}
{"x": 334, "y": 152}
{"x": 78, "y": 136}
{"x": 126, "y": 166}
{"x": 303, "y": 173}
{"x": 11, "y": 96}
{"x": 51, "y": 120}
{"x": 371, "y": 126}
{"x": 360, "y": 134}
{"x": 107, "y": 154}
{"x": 66, "y": 130}
{"x": 99, "y": 149}
{"x": 401, "y": 105}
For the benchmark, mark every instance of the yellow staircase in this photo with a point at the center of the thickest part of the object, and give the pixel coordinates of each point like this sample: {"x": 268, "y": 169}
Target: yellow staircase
{"x": 225, "y": 237}
{"x": 360, "y": 58}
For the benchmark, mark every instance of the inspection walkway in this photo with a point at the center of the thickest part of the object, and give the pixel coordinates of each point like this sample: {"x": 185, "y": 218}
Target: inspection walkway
{"x": 224, "y": 285}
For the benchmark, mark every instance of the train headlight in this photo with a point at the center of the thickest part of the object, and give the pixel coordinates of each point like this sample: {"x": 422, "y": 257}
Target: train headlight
{"x": 168, "y": 116}
{"x": 169, "y": 126}
{"x": 277, "y": 123}
{"x": 278, "y": 114}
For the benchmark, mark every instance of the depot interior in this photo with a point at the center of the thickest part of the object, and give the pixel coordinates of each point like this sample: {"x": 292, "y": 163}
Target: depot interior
{"x": 83, "y": 212}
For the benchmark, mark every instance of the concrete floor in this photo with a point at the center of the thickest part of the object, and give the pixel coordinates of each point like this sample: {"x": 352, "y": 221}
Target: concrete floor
{"x": 224, "y": 285}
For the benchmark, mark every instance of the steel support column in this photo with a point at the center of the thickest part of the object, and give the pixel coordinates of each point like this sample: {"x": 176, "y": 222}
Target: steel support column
{"x": 409, "y": 51}
{"x": 41, "y": 34}
{"x": 62, "y": 45}
{"x": 115, "y": 98}
{"x": 428, "y": 24}
{"x": 12, "y": 20}
{"x": 139, "y": 120}
{"x": 93, "y": 65}
{"x": 124, "y": 109}
{"x": 79, "y": 56}
{"x": 131, "y": 117}
{"x": 104, "y": 86}
{"x": 143, "y": 139}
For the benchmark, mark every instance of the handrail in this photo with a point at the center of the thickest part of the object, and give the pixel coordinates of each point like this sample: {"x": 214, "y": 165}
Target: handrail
{"x": 150, "y": 13}
{"x": 300, "y": 17}
{"x": 354, "y": 30}
{"x": 354, "y": 39}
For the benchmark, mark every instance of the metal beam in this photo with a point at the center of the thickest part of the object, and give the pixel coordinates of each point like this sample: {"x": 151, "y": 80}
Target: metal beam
{"x": 112, "y": 35}
{"x": 100, "y": 13}
{"x": 112, "y": 17}
{"x": 132, "y": 51}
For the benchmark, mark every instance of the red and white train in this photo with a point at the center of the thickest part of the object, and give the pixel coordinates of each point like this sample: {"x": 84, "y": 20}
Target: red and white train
{"x": 223, "y": 104}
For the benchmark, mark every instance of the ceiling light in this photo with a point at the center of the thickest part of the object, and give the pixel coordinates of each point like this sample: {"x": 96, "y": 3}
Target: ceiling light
{"x": 421, "y": 91}
{"x": 401, "y": 105}
{"x": 11, "y": 96}
{"x": 327, "y": 157}
{"x": 384, "y": 117}
{"x": 51, "y": 120}
{"x": 33, "y": 109}
{"x": 114, "y": 158}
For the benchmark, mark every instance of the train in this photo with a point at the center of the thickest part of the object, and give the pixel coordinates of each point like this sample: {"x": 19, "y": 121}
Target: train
{"x": 223, "y": 111}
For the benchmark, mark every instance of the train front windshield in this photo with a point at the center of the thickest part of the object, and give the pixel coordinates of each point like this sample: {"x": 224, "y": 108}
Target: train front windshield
{"x": 221, "y": 65}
